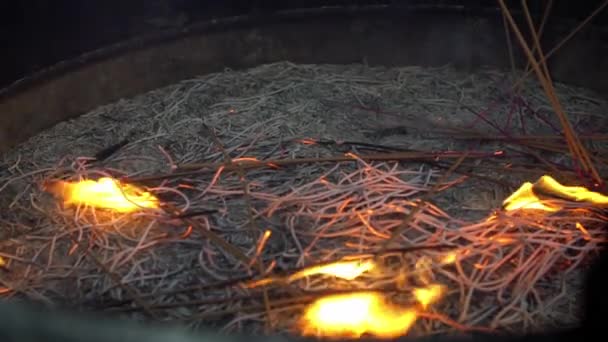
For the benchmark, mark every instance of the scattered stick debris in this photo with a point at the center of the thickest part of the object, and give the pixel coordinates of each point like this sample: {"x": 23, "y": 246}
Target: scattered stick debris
{"x": 275, "y": 200}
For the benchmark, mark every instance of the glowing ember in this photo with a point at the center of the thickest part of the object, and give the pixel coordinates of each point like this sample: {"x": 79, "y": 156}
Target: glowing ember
{"x": 583, "y": 230}
{"x": 449, "y": 258}
{"x": 526, "y": 196}
{"x": 355, "y": 314}
{"x": 348, "y": 270}
{"x": 2, "y": 262}
{"x": 105, "y": 193}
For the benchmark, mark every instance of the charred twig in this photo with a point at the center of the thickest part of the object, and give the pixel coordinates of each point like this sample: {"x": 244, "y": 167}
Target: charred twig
{"x": 194, "y": 213}
{"x": 250, "y": 212}
{"x": 203, "y": 168}
{"x": 350, "y": 144}
{"x": 244, "y": 280}
{"x": 422, "y": 203}
{"x": 302, "y": 297}
{"x": 110, "y": 150}
{"x": 234, "y": 251}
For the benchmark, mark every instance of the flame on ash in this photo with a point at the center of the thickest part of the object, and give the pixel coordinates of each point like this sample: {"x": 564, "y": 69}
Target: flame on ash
{"x": 429, "y": 295}
{"x": 573, "y": 193}
{"x": 526, "y": 196}
{"x": 354, "y": 314}
{"x": 104, "y": 193}
{"x": 348, "y": 270}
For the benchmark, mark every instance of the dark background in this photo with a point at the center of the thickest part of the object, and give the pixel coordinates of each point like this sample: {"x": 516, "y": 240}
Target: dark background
{"x": 35, "y": 34}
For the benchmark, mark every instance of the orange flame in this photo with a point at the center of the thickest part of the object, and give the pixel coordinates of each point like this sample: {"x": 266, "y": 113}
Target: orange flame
{"x": 105, "y": 193}
{"x": 429, "y": 295}
{"x": 348, "y": 270}
{"x": 583, "y": 230}
{"x": 449, "y": 258}
{"x": 354, "y": 314}
{"x": 526, "y": 196}
{"x": 2, "y": 262}
{"x": 573, "y": 193}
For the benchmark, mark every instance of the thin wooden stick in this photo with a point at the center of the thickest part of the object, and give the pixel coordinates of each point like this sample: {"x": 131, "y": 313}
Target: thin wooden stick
{"x": 540, "y": 29}
{"x": 566, "y": 39}
{"x": 422, "y": 200}
{"x": 574, "y": 144}
{"x": 201, "y": 168}
{"x": 237, "y": 253}
{"x": 250, "y": 215}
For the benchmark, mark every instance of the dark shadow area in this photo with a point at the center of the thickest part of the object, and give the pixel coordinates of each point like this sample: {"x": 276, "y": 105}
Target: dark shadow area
{"x": 36, "y": 34}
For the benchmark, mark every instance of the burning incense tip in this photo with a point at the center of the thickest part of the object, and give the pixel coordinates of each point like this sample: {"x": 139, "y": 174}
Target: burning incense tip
{"x": 352, "y": 315}
{"x": 104, "y": 193}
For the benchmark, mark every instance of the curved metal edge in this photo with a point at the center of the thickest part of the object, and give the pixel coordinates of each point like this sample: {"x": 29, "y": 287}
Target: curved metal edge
{"x": 21, "y": 322}
{"x": 213, "y": 25}
{"x": 243, "y": 21}
{"x": 462, "y": 35}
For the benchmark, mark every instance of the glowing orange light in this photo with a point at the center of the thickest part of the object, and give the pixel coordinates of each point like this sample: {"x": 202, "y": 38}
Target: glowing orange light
{"x": 573, "y": 193}
{"x": 2, "y": 262}
{"x": 246, "y": 159}
{"x": 185, "y": 186}
{"x": 351, "y": 155}
{"x": 73, "y": 249}
{"x": 502, "y": 240}
{"x": 354, "y": 314}
{"x": 261, "y": 282}
{"x": 449, "y": 258}
{"x": 307, "y": 141}
{"x": 187, "y": 232}
{"x": 104, "y": 193}
{"x": 583, "y": 230}
{"x": 348, "y": 270}
{"x": 525, "y": 198}
{"x": 260, "y": 246}
{"x": 429, "y": 295}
